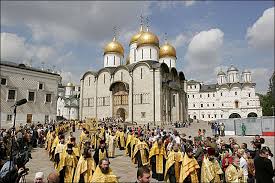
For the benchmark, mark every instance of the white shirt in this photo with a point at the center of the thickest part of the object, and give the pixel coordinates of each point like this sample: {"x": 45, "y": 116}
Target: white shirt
{"x": 243, "y": 165}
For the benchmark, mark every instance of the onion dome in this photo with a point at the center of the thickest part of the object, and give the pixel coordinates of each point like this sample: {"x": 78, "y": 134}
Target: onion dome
{"x": 70, "y": 84}
{"x": 232, "y": 68}
{"x": 114, "y": 47}
{"x": 135, "y": 37}
{"x": 167, "y": 50}
{"x": 148, "y": 38}
{"x": 221, "y": 73}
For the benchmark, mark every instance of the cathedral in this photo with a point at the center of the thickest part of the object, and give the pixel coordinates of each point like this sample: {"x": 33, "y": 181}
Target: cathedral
{"x": 144, "y": 88}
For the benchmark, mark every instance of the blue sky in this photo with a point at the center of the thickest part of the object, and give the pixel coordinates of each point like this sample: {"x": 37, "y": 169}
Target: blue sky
{"x": 208, "y": 35}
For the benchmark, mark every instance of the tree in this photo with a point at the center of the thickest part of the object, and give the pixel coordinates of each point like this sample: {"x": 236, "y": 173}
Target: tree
{"x": 267, "y": 101}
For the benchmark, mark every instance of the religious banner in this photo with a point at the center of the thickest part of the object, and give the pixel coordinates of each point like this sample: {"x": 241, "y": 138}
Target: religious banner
{"x": 91, "y": 124}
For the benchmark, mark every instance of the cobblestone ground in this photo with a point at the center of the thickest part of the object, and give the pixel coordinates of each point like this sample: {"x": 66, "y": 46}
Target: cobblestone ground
{"x": 122, "y": 165}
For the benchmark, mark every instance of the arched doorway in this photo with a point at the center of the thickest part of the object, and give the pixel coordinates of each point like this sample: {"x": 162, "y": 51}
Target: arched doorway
{"x": 121, "y": 113}
{"x": 234, "y": 115}
{"x": 252, "y": 114}
{"x": 120, "y": 93}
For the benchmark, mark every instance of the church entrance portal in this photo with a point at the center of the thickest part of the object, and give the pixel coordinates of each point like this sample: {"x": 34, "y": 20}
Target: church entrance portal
{"x": 120, "y": 93}
{"x": 121, "y": 113}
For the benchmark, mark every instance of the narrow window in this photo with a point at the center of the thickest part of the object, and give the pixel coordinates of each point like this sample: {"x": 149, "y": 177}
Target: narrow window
{"x": 222, "y": 104}
{"x": 114, "y": 60}
{"x": 11, "y": 95}
{"x": 135, "y": 53}
{"x": 236, "y": 93}
{"x": 188, "y": 96}
{"x": 193, "y": 96}
{"x": 40, "y": 86}
{"x": 247, "y": 103}
{"x": 207, "y": 105}
{"x": 141, "y": 99}
{"x": 201, "y": 105}
{"x": 3, "y": 81}
{"x": 150, "y": 53}
{"x": 107, "y": 60}
{"x": 121, "y": 76}
{"x": 213, "y": 105}
{"x": 208, "y": 95}
{"x": 48, "y": 97}
{"x": 221, "y": 94}
{"x": 195, "y": 86}
{"x": 104, "y": 78}
{"x": 208, "y": 115}
{"x": 236, "y": 104}
{"x": 194, "y": 105}
{"x": 249, "y": 95}
{"x": 221, "y": 115}
{"x": 31, "y": 96}
{"x": 170, "y": 63}
{"x": 141, "y": 53}
{"x": 140, "y": 73}
{"x": 200, "y": 95}
{"x": 89, "y": 81}
{"x": 213, "y": 94}
{"x": 203, "y": 116}
{"x": 215, "y": 115}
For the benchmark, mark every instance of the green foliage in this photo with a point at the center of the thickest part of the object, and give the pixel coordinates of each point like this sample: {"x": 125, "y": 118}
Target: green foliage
{"x": 267, "y": 102}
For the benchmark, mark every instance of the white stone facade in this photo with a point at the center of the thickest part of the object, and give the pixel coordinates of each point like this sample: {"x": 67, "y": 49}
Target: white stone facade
{"x": 37, "y": 86}
{"x": 141, "y": 92}
{"x": 68, "y": 101}
{"x": 229, "y": 98}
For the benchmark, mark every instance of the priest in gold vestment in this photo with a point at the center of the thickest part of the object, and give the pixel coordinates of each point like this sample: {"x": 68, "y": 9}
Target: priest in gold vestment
{"x": 210, "y": 170}
{"x": 173, "y": 165}
{"x": 111, "y": 143}
{"x": 141, "y": 152}
{"x": 120, "y": 139}
{"x": 67, "y": 165}
{"x": 233, "y": 173}
{"x": 104, "y": 173}
{"x": 157, "y": 156}
{"x": 85, "y": 167}
{"x": 189, "y": 168}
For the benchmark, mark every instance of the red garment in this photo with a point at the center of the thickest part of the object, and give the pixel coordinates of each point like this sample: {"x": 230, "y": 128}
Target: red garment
{"x": 224, "y": 165}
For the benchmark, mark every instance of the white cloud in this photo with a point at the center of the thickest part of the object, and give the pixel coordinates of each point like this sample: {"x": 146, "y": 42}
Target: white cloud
{"x": 261, "y": 33}
{"x": 68, "y": 76}
{"x": 172, "y": 4}
{"x": 73, "y": 21}
{"x": 261, "y": 77}
{"x": 203, "y": 54}
{"x": 180, "y": 40}
{"x": 13, "y": 47}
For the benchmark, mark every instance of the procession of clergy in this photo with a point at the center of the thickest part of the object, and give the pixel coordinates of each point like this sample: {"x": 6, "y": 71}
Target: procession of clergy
{"x": 87, "y": 159}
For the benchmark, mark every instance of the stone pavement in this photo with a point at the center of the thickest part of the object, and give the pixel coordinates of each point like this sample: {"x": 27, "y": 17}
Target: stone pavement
{"x": 122, "y": 165}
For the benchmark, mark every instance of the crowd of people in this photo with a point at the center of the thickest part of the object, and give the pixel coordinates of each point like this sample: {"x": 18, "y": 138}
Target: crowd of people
{"x": 164, "y": 155}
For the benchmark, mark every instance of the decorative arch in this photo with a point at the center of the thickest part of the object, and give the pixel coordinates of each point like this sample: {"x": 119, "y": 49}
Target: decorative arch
{"x": 126, "y": 85}
{"x": 87, "y": 73}
{"x": 164, "y": 68}
{"x": 232, "y": 85}
{"x": 119, "y": 68}
{"x": 104, "y": 69}
{"x": 181, "y": 76}
{"x": 235, "y": 115}
{"x": 252, "y": 114}
{"x": 141, "y": 63}
{"x": 224, "y": 86}
{"x": 174, "y": 72}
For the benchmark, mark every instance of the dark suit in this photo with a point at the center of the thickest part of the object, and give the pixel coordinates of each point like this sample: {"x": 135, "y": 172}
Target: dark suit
{"x": 263, "y": 170}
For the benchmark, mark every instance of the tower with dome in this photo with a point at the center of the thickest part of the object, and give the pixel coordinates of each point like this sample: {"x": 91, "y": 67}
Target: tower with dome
{"x": 141, "y": 87}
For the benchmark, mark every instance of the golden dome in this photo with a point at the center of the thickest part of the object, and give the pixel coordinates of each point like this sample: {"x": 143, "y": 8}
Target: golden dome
{"x": 135, "y": 37}
{"x": 167, "y": 50}
{"x": 148, "y": 38}
{"x": 70, "y": 84}
{"x": 114, "y": 46}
